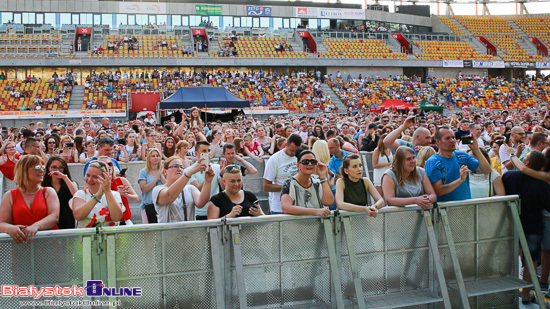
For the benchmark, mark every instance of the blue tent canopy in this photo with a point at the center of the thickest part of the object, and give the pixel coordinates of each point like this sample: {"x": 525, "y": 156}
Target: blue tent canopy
{"x": 209, "y": 97}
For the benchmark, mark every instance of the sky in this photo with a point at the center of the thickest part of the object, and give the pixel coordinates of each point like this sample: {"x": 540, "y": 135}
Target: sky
{"x": 500, "y": 8}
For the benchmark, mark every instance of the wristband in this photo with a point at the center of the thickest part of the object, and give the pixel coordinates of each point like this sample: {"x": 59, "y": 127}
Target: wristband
{"x": 96, "y": 199}
{"x": 323, "y": 180}
{"x": 184, "y": 174}
{"x": 512, "y": 155}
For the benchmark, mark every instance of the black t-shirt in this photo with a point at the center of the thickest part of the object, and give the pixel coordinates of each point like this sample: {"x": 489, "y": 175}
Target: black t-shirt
{"x": 534, "y": 195}
{"x": 224, "y": 203}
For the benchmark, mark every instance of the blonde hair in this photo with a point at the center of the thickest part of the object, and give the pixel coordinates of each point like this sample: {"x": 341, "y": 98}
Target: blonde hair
{"x": 148, "y": 166}
{"x": 113, "y": 166}
{"x": 423, "y": 155}
{"x": 320, "y": 149}
{"x": 167, "y": 161}
{"x": 21, "y": 170}
{"x": 64, "y": 137}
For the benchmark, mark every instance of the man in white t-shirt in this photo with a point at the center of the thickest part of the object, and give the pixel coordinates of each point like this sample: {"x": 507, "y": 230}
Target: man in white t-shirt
{"x": 303, "y": 131}
{"x": 197, "y": 179}
{"x": 517, "y": 137}
{"x": 280, "y": 167}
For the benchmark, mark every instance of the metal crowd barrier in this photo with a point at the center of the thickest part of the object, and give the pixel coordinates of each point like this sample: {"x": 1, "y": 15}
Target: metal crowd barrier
{"x": 460, "y": 255}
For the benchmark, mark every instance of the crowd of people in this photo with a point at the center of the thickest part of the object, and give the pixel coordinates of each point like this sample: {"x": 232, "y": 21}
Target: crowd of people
{"x": 310, "y": 166}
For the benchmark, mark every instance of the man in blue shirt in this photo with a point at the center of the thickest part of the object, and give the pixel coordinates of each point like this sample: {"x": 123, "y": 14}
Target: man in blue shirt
{"x": 104, "y": 148}
{"x": 448, "y": 169}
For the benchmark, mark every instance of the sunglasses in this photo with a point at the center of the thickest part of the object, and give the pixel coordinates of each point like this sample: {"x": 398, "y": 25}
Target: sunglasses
{"x": 231, "y": 168}
{"x": 309, "y": 162}
{"x": 39, "y": 168}
{"x": 57, "y": 168}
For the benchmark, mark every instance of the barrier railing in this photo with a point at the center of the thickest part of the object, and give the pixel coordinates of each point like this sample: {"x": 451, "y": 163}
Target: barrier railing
{"x": 399, "y": 259}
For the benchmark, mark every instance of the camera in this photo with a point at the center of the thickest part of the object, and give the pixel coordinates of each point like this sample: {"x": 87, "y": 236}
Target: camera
{"x": 70, "y": 145}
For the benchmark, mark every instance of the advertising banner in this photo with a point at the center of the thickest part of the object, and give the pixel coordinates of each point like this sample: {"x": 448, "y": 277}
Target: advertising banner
{"x": 487, "y": 64}
{"x": 453, "y": 64}
{"x": 467, "y": 63}
{"x": 306, "y": 12}
{"x": 142, "y": 8}
{"x": 208, "y": 9}
{"x": 258, "y": 10}
{"x": 520, "y": 64}
{"x": 542, "y": 65}
{"x": 341, "y": 13}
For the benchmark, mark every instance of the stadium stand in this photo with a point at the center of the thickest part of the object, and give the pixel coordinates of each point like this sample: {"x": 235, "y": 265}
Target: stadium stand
{"x": 350, "y": 48}
{"x": 500, "y": 33}
{"x": 449, "y": 50}
{"x": 30, "y": 45}
{"x": 139, "y": 46}
{"x": 264, "y": 47}
{"x": 17, "y": 95}
{"x": 492, "y": 93}
{"x": 454, "y": 28}
{"x": 534, "y": 26}
{"x": 366, "y": 93}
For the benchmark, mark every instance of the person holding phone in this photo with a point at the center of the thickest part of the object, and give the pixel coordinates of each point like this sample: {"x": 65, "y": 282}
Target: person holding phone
{"x": 68, "y": 151}
{"x": 233, "y": 201}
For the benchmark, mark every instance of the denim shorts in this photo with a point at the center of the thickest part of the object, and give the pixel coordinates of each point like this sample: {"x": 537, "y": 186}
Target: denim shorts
{"x": 534, "y": 242}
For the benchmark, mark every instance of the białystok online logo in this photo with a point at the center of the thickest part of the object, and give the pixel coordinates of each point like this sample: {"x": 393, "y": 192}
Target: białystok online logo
{"x": 93, "y": 288}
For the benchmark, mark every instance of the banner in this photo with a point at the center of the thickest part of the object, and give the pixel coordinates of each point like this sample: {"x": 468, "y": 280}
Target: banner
{"x": 142, "y": 8}
{"x": 341, "y": 13}
{"x": 467, "y": 63}
{"x": 258, "y": 10}
{"x": 306, "y": 12}
{"x": 487, "y": 64}
{"x": 453, "y": 64}
{"x": 520, "y": 64}
{"x": 330, "y": 13}
{"x": 542, "y": 65}
{"x": 84, "y": 30}
{"x": 208, "y": 9}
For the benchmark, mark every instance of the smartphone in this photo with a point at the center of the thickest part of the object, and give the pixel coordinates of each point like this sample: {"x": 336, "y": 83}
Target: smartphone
{"x": 467, "y": 140}
{"x": 206, "y": 157}
{"x": 70, "y": 145}
{"x": 123, "y": 172}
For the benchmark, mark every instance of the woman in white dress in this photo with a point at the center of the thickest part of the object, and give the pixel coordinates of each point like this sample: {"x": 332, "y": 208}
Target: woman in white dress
{"x": 382, "y": 159}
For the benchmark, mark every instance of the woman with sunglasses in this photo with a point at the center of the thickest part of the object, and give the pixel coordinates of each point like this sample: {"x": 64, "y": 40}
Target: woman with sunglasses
{"x": 176, "y": 200}
{"x": 97, "y": 205}
{"x": 122, "y": 186}
{"x": 52, "y": 145}
{"x": 304, "y": 195}
{"x": 353, "y": 190}
{"x": 8, "y": 160}
{"x": 30, "y": 207}
{"x": 59, "y": 178}
{"x": 233, "y": 201}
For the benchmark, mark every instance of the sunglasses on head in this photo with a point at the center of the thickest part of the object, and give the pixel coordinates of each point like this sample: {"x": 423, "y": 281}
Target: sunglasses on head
{"x": 309, "y": 162}
{"x": 231, "y": 168}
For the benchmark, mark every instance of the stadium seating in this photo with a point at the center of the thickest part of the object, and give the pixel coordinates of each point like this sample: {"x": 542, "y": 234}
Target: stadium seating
{"x": 361, "y": 49}
{"x": 369, "y": 93}
{"x": 454, "y": 28}
{"x": 302, "y": 96}
{"x": 28, "y": 92}
{"x": 491, "y": 94}
{"x": 449, "y": 50}
{"x": 500, "y": 33}
{"x": 30, "y": 46}
{"x": 147, "y": 46}
{"x": 534, "y": 26}
{"x": 258, "y": 47}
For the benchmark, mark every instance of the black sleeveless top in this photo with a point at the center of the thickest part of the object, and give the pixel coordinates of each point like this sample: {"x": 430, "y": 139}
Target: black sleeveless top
{"x": 355, "y": 192}
{"x": 66, "y": 218}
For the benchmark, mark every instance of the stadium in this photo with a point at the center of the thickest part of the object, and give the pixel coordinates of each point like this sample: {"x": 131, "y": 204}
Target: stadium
{"x": 145, "y": 106}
